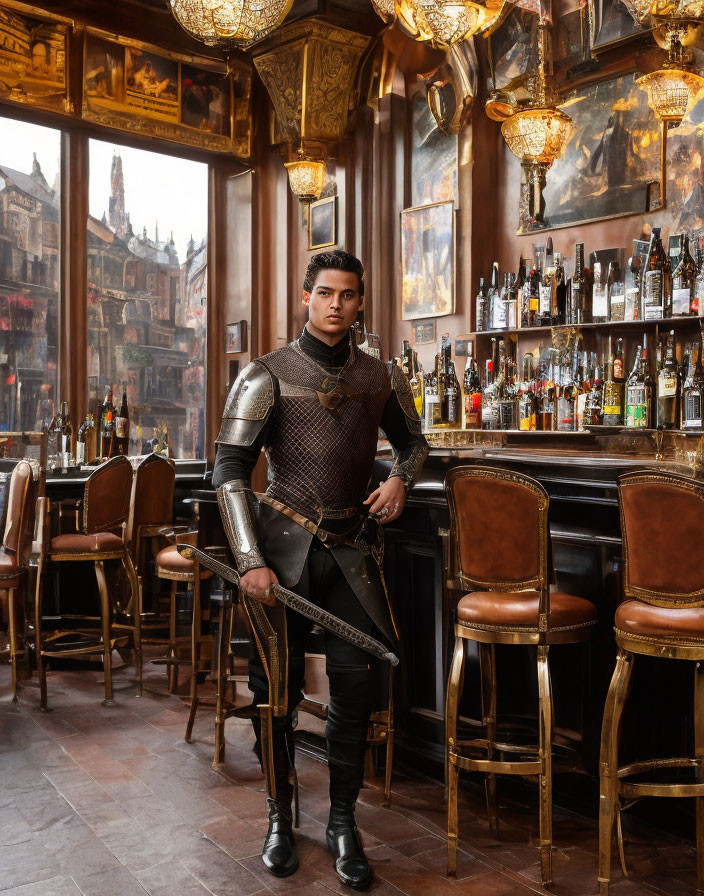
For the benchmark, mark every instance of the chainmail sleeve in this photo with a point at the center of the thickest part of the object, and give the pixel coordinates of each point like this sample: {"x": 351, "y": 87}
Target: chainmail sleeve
{"x": 401, "y": 425}
{"x": 242, "y": 434}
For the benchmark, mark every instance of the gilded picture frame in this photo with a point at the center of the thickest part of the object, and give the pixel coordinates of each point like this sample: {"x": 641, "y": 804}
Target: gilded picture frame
{"x": 34, "y": 57}
{"x": 322, "y": 223}
{"x": 428, "y": 261}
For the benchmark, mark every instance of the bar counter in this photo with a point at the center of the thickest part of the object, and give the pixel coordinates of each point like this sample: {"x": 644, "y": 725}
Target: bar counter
{"x": 580, "y": 473}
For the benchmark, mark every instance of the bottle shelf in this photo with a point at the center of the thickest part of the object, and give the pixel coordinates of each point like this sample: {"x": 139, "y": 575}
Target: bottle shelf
{"x": 666, "y": 322}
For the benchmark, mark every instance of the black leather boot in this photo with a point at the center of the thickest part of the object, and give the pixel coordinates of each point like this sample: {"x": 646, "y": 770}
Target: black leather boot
{"x": 344, "y": 842}
{"x": 278, "y": 855}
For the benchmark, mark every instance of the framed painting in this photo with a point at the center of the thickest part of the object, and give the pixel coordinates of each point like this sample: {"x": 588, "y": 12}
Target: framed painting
{"x": 612, "y": 164}
{"x": 236, "y": 338}
{"x": 685, "y": 176}
{"x": 433, "y": 158}
{"x": 322, "y": 223}
{"x": 513, "y": 48}
{"x": 611, "y": 24}
{"x": 428, "y": 261}
{"x": 205, "y": 100}
{"x": 152, "y": 84}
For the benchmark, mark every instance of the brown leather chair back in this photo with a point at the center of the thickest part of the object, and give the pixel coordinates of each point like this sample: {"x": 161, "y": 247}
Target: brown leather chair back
{"x": 21, "y": 507}
{"x": 152, "y": 495}
{"x": 106, "y": 499}
{"x": 662, "y": 516}
{"x": 499, "y": 533}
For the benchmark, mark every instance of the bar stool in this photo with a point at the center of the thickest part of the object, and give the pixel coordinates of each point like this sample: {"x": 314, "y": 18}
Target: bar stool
{"x": 100, "y": 515}
{"x": 499, "y": 530}
{"x": 172, "y": 566}
{"x": 14, "y": 555}
{"x": 661, "y": 520}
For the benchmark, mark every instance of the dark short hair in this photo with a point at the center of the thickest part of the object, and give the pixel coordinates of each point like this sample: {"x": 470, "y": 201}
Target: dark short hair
{"x": 333, "y": 261}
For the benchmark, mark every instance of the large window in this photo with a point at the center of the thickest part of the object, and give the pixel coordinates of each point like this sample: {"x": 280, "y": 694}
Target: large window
{"x": 147, "y": 286}
{"x": 30, "y": 217}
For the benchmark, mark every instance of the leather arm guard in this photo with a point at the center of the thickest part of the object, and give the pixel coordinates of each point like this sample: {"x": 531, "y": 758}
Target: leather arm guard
{"x": 408, "y": 461}
{"x": 235, "y": 501}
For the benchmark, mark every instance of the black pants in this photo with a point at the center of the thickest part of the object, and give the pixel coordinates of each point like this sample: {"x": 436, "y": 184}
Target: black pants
{"x": 349, "y": 673}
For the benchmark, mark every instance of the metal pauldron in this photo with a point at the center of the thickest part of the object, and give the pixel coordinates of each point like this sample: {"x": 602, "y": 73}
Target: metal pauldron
{"x": 235, "y": 500}
{"x": 248, "y": 405}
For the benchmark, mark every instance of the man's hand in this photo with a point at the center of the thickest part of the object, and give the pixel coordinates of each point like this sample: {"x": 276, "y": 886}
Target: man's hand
{"x": 255, "y": 583}
{"x": 386, "y": 502}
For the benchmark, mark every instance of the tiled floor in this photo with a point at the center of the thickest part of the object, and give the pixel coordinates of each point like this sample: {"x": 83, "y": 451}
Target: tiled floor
{"x": 112, "y": 802}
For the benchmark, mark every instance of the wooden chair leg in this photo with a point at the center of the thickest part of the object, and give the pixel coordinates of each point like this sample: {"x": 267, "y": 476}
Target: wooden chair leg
{"x": 105, "y": 619}
{"x": 196, "y": 639}
{"x": 41, "y": 668}
{"x": 173, "y": 649}
{"x": 487, "y": 664}
{"x": 545, "y": 710}
{"x": 454, "y": 689}
{"x": 608, "y": 764}
{"x": 222, "y": 664}
{"x": 12, "y": 631}
{"x": 135, "y": 609}
{"x": 699, "y": 755}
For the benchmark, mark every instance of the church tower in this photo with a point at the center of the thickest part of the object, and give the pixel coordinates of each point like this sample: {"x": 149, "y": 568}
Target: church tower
{"x": 119, "y": 220}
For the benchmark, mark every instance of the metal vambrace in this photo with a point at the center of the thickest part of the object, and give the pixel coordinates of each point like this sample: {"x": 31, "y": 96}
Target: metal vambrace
{"x": 235, "y": 500}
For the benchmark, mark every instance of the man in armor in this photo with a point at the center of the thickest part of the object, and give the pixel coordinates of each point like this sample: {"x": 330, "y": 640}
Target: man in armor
{"x": 315, "y": 406}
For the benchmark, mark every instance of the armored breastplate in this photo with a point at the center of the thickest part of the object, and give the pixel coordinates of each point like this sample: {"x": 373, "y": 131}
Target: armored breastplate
{"x": 323, "y": 434}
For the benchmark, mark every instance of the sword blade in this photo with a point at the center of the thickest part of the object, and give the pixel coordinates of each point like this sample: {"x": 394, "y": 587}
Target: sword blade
{"x": 297, "y": 603}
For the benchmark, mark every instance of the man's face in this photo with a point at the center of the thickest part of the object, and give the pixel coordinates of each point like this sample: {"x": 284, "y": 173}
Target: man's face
{"x": 333, "y": 304}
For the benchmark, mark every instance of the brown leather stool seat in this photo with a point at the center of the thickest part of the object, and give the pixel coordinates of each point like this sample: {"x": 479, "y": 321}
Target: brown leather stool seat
{"x": 9, "y": 565}
{"x": 646, "y": 620}
{"x": 520, "y": 611}
{"x": 87, "y": 544}
{"x": 170, "y": 560}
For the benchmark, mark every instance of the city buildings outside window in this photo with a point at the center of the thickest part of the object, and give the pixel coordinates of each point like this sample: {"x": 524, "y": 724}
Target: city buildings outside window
{"x": 30, "y": 219}
{"x": 147, "y": 287}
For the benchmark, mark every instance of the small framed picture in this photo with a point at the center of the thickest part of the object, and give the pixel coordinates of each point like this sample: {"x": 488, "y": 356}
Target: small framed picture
{"x": 322, "y": 223}
{"x": 424, "y": 332}
{"x": 236, "y": 338}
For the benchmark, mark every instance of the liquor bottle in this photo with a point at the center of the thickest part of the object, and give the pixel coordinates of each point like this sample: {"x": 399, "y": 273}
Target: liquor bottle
{"x": 490, "y": 396}
{"x": 451, "y": 409}
{"x": 634, "y": 270}
{"x": 639, "y": 391}
{"x": 683, "y": 281}
{"x": 528, "y": 405}
{"x": 546, "y": 288}
{"x": 600, "y": 295}
{"x": 497, "y": 306}
{"x": 693, "y": 392}
{"x": 438, "y": 419}
{"x": 85, "y": 441}
{"x": 65, "y": 437}
{"x": 122, "y": 427}
{"x": 613, "y": 388}
{"x": 655, "y": 280}
{"x": 560, "y": 307}
{"x": 508, "y": 396}
{"x": 594, "y": 405}
{"x": 472, "y": 396}
{"x": 107, "y": 415}
{"x": 546, "y": 412}
{"x": 481, "y": 323}
{"x": 578, "y": 289}
{"x": 698, "y": 304}
{"x": 617, "y": 293}
{"x": 668, "y": 387}
{"x": 414, "y": 374}
{"x": 570, "y": 388}
{"x": 431, "y": 399}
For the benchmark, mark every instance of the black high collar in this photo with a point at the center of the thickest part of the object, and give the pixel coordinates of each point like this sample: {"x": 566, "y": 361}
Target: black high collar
{"x": 328, "y": 356}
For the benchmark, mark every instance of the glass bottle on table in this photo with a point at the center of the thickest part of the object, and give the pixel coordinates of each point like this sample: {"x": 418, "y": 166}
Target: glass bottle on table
{"x": 496, "y": 301}
{"x": 490, "y": 393}
{"x": 512, "y": 303}
{"x": 668, "y": 387}
{"x": 684, "y": 279}
{"x": 107, "y": 416}
{"x": 614, "y": 388}
{"x": 452, "y": 409}
{"x": 594, "y": 404}
{"x": 65, "y": 437}
{"x": 122, "y": 427}
{"x": 639, "y": 391}
{"x": 480, "y": 309}
{"x": 431, "y": 400}
{"x": 546, "y": 288}
{"x": 85, "y": 441}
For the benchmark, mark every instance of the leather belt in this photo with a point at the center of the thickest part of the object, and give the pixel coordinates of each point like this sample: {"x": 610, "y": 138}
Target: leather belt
{"x": 329, "y": 539}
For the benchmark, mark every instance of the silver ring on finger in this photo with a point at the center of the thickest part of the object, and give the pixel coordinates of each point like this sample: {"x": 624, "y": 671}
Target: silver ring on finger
{"x": 384, "y": 511}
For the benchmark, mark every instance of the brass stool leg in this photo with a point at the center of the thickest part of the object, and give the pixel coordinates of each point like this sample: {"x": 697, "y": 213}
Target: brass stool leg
{"x": 173, "y": 650}
{"x": 389, "y": 741}
{"x": 545, "y": 781}
{"x": 41, "y": 668}
{"x": 454, "y": 688}
{"x": 222, "y": 663}
{"x": 487, "y": 664}
{"x": 196, "y": 623}
{"x": 105, "y": 623}
{"x": 12, "y": 631}
{"x": 135, "y": 607}
{"x": 699, "y": 754}
{"x": 608, "y": 765}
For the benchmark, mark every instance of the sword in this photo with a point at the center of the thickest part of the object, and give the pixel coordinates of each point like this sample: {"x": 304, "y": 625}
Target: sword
{"x": 295, "y": 602}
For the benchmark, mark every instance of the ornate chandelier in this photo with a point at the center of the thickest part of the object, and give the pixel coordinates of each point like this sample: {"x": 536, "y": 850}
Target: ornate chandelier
{"x": 306, "y": 179}
{"x": 441, "y": 22}
{"x": 538, "y": 134}
{"x": 228, "y": 23}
